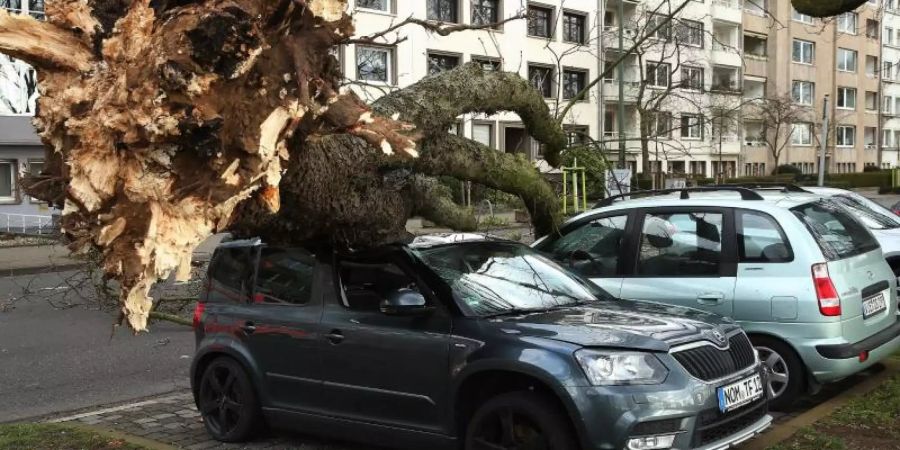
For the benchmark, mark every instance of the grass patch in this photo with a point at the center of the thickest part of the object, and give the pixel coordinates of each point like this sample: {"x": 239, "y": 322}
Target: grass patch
{"x": 57, "y": 437}
{"x": 870, "y": 421}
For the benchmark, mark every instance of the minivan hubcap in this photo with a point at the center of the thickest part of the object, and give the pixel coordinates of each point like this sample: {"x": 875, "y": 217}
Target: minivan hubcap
{"x": 508, "y": 430}
{"x": 220, "y": 400}
{"x": 778, "y": 371}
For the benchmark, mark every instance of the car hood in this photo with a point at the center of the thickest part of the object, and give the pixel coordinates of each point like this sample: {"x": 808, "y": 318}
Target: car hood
{"x": 620, "y": 324}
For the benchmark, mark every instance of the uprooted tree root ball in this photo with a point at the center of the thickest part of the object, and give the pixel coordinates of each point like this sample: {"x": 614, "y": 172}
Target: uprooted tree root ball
{"x": 167, "y": 121}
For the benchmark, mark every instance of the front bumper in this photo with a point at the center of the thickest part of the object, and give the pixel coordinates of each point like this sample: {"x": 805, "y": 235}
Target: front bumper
{"x": 682, "y": 405}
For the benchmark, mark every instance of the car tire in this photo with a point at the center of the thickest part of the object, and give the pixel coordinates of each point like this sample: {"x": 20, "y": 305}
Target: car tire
{"x": 519, "y": 420}
{"x": 787, "y": 374}
{"x": 227, "y": 401}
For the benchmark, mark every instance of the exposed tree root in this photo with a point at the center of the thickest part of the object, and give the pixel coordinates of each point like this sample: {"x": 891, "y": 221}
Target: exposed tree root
{"x": 166, "y": 121}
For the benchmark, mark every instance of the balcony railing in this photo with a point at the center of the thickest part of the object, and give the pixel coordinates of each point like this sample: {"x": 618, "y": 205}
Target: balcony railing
{"x": 726, "y": 3}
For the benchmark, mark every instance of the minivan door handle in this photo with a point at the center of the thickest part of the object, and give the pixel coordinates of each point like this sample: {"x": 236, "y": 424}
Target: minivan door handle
{"x": 249, "y": 327}
{"x": 710, "y": 299}
{"x": 335, "y": 337}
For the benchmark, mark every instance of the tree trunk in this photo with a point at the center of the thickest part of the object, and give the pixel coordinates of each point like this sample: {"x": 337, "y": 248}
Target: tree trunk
{"x": 166, "y": 121}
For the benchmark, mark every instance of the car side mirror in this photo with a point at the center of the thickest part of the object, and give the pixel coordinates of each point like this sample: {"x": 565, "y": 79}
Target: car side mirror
{"x": 405, "y": 302}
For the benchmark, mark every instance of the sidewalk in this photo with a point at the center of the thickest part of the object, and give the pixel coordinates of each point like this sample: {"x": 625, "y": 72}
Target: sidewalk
{"x": 35, "y": 259}
{"x": 173, "y": 420}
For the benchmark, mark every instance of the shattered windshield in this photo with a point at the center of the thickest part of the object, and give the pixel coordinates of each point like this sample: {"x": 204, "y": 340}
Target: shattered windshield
{"x": 499, "y": 278}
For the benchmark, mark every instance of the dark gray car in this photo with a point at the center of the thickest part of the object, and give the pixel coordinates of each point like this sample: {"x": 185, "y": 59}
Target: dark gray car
{"x": 473, "y": 344}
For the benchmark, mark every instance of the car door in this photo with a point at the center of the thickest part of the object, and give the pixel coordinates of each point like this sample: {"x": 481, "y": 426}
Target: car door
{"x": 383, "y": 368}
{"x": 768, "y": 284}
{"x": 684, "y": 256}
{"x": 594, "y": 249}
{"x": 281, "y": 326}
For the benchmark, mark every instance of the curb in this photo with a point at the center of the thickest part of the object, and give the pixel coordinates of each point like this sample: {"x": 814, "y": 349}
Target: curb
{"x": 785, "y": 431}
{"x": 16, "y": 272}
{"x": 131, "y": 439}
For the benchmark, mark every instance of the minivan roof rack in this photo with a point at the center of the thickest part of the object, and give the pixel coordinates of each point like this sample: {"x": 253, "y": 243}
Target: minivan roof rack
{"x": 746, "y": 194}
{"x": 783, "y": 187}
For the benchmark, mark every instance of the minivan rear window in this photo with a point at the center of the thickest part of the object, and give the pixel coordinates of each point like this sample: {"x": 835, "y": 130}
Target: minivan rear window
{"x": 838, "y": 234}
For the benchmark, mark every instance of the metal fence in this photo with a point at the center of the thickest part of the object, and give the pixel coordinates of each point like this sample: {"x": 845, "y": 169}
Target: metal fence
{"x": 27, "y": 224}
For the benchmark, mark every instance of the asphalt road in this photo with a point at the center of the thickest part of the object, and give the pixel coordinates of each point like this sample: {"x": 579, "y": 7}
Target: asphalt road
{"x": 61, "y": 359}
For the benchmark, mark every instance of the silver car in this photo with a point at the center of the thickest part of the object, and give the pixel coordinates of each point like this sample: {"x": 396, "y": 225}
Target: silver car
{"x": 805, "y": 279}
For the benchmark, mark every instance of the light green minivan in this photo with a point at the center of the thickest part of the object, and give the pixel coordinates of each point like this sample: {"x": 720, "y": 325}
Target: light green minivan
{"x": 804, "y": 278}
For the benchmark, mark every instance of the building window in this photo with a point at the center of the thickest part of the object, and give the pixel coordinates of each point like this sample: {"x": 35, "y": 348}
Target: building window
{"x": 869, "y": 137}
{"x": 378, "y": 5}
{"x": 872, "y": 27}
{"x": 871, "y": 101}
{"x": 755, "y": 7}
{"x": 488, "y": 64}
{"x": 888, "y": 35}
{"x": 755, "y": 45}
{"x": 692, "y": 78}
{"x": 691, "y": 126}
{"x": 539, "y": 21}
{"x": 441, "y": 62}
{"x": 574, "y": 81}
{"x": 577, "y": 135}
{"x": 374, "y": 64}
{"x": 801, "y": 134}
{"x": 7, "y": 181}
{"x": 483, "y": 133}
{"x": 485, "y": 12}
{"x": 846, "y": 98}
{"x": 574, "y": 28}
{"x": 442, "y": 10}
{"x": 871, "y": 66}
{"x": 796, "y": 16}
{"x": 887, "y": 71}
{"x": 661, "y": 125}
{"x": 35, "y": 167}
{"x": 658, "y": 75}
{"x": 665, "y": 31}
{"x": 804, "y": 51}
{"x": 802, "y": 92}
{"x": 690, "y": 33}
{"x": 846, "y": 60}
{"x": 541, "y": 78}
{"x": 846, "y": 136}
{"x": 848, "y": 22}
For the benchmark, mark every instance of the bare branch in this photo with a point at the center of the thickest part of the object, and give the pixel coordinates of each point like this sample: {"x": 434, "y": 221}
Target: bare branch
{"x": 440, "y": 28}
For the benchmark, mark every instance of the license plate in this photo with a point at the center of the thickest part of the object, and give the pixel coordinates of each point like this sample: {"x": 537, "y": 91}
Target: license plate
{"x": 738, "y": 394}
{"x": 873, "y": 305}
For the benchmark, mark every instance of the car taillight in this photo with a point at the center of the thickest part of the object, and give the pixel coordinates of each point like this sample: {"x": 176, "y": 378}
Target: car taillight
{"x": 829, "y": 302}
{"x": 198, "y": 314}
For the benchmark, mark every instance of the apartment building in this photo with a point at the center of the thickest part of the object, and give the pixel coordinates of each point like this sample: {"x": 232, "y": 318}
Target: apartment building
{"x": 791, "y": 55}
{"x": 20, "y": 148}
{"x": 555, "y": 49}
{"x": 890, "y": 76}
{"x": 675, "y": 83}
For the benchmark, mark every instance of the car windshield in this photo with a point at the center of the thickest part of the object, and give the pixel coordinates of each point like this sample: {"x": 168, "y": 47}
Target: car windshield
{"x": 494, "y": 278}
{"x": 865, "y": 210}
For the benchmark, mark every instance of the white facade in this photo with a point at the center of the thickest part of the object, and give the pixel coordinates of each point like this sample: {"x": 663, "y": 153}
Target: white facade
{"x": 562, "y": 64}
{"x": 21, "y": 151}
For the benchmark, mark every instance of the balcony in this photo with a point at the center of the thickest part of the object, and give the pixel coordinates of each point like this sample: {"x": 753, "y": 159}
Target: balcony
{"x": 611, "y": 37}
{"x": 611, "y": 90}
{"x": 727, "y": 10}
{"x": 726, "y": 80}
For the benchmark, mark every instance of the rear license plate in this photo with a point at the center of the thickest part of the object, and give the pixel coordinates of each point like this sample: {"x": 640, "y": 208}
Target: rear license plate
{"x": 738, "y": 394}
{"x": 874, "y": 305}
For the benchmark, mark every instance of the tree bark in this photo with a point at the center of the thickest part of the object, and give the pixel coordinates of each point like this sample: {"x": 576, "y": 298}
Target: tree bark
{"x": 826, "y": 8}
{"x": 166, "y": 121}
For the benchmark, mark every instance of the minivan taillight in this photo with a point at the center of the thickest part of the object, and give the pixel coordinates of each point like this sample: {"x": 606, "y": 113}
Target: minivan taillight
{"x": 829, "y": 301}
{"x": 198, "y": 314}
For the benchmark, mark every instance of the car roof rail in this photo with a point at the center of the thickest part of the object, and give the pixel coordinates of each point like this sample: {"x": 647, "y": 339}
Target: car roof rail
{"x": 783, "y": 187}
{"x": 746, "y": 194}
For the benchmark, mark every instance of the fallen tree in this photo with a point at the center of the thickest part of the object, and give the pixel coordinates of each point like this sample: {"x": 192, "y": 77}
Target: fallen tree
{"x": 166, "y": 121}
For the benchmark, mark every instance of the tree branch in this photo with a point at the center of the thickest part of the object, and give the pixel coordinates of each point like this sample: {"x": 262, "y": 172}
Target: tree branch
{"x": 436, "y": 102}
{"x": 42, "y": 44}
{"x": 433, "y": 201}
{"x": 468, "y": 160}
{"x": 439, "y": 28}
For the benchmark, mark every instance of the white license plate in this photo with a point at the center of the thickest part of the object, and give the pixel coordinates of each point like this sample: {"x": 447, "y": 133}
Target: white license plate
{"x": 873, "y": 305}
{"x": 738, "y": 394}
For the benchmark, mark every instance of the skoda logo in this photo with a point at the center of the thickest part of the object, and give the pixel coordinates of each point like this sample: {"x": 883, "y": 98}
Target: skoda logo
{"x": 718, "y": 336}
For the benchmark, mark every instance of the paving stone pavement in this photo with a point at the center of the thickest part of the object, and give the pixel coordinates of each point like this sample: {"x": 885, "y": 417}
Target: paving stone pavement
{"x": 174, "y": 420}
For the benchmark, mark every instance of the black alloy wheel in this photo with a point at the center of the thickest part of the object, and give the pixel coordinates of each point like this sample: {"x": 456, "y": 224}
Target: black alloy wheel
{"x": 228, "y": 402}
{"x": 519, "y": 421}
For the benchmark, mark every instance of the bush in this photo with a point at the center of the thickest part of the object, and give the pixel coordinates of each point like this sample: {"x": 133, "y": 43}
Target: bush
{"x": 871, "y": 169}
{"x": 787, "y": 169}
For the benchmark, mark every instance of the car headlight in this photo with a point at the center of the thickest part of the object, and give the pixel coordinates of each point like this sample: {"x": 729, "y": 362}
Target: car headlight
{"x": 605, "y": 368}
